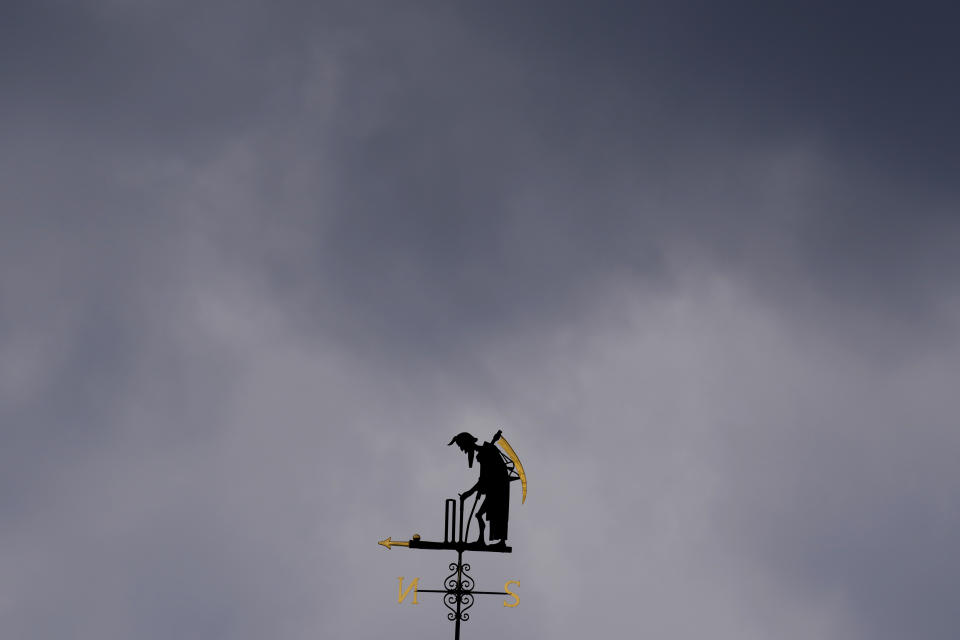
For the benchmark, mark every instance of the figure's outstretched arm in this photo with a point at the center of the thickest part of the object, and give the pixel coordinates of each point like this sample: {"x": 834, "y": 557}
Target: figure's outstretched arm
{"x": 466, "y": 494}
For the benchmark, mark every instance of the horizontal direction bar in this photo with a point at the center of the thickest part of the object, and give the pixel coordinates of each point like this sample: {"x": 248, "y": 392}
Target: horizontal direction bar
{"x": 460, "y": 546}
{"x": 488, "y": 593}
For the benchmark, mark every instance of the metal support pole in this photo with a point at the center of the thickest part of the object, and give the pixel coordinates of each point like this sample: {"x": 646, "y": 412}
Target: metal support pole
{"x": 456, "y": 629}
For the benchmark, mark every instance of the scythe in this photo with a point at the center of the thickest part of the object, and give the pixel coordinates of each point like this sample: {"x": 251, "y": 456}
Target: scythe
{"x": 516, "y": 465}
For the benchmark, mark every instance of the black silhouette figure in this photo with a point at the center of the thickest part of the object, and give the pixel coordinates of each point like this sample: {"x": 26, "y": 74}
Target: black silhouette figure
{"x": 493, "y": 485}
{"x": 499, "y": 466}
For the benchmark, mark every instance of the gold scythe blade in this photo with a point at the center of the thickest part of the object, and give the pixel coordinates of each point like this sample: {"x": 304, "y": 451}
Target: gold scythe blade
{"x": 516, "y": 463}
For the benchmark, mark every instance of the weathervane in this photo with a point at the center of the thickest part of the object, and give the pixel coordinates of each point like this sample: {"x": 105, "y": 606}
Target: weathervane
{"x": 498, "y": 468}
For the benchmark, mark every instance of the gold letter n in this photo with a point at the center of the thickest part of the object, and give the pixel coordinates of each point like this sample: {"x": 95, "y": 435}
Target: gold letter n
{"x": 401, "y": 594}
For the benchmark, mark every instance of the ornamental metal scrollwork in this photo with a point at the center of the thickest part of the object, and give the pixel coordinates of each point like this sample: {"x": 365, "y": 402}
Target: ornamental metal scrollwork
{"x": 450, "y": 602}
{"x": 467, "y": 600}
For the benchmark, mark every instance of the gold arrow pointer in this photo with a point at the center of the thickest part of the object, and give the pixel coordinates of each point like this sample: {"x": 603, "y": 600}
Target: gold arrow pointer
{"x": 388, "y": 543}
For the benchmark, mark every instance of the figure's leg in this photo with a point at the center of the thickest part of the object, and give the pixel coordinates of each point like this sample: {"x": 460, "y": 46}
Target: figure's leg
{"x": 483, "y": 525}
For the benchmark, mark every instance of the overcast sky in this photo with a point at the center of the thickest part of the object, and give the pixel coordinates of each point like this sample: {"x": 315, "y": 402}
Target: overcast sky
{"x": 260, "y": 261}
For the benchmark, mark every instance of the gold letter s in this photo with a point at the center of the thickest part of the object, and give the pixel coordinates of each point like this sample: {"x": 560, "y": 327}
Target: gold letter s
{"x": 401, "y": 596}
{"x": 506, "y": 588}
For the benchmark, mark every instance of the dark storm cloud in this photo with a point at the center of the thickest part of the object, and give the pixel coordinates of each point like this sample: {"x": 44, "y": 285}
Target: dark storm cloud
{"x": 493, "y": 162}
{"x": 760, "y": 138}
{"x": 255, "y": 255}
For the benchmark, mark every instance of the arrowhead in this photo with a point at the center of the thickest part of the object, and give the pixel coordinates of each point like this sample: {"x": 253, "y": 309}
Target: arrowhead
{"x": 386, "y": 542}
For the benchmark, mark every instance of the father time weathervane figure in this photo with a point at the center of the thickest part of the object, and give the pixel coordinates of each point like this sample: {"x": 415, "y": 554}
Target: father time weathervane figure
{"x": 499, "y": 466}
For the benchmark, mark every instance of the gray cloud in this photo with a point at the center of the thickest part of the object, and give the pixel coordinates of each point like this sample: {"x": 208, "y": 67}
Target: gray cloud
{"x": 259, "y": 261}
